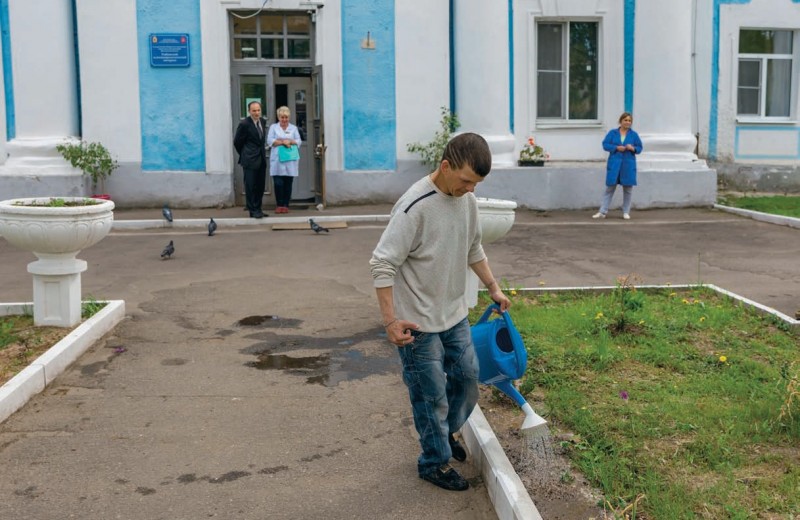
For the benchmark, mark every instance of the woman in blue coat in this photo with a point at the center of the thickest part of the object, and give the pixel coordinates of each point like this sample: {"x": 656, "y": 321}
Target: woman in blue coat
{"x": 622, "y": 145}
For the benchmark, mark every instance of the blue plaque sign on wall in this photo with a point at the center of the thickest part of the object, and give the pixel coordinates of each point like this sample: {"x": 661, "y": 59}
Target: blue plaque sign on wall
{"x": 169, "y": 50}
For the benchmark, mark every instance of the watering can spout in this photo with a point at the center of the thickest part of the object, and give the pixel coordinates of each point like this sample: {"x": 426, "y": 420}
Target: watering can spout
{"x": 532, "y": 421}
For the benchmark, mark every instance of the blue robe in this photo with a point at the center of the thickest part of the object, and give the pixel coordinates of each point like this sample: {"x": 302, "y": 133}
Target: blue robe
{"x": 621, "y": 166}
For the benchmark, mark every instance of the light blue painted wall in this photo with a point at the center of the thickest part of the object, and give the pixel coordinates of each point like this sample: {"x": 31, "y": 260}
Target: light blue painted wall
{"x": 8, "y": 77}
{"x": 368, "y": 86}
{"x": 173, "y": 133}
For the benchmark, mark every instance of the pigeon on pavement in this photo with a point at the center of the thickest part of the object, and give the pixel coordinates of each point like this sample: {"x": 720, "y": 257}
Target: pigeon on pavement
{"x": 212, "y": 227}
{"x": 167, "y": 213}
{"x": 168, "y": 251}
{"x": 316, "y": 227}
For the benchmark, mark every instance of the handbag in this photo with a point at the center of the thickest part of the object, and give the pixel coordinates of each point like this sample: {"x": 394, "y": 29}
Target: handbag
{"x": 288, "y": 154}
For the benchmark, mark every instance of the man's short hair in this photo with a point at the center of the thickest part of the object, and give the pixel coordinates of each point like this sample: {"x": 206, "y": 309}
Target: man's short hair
{"x": 251, "y": 104}
{"x": 469, "y": 149}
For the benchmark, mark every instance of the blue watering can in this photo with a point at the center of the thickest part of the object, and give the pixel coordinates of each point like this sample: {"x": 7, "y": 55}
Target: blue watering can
{"x": 502, "y": 359}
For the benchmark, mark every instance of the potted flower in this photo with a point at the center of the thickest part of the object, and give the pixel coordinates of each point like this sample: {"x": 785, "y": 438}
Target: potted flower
{"x": 532, "y": 154}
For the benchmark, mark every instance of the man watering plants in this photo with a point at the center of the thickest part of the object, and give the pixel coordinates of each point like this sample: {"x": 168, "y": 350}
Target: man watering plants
{"x": 419, "y": 269}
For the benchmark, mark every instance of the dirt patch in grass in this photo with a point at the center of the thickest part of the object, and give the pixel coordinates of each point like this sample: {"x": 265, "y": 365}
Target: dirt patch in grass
{"x": 21, "y": 343}
{"x": 559, "y": 492}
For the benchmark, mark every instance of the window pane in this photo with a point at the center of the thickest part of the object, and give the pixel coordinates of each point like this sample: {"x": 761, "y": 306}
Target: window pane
{"x": 583, "y": 70}
{"x": 548, "y": 53}
{"x": 299, "y": 49}
{"x": 298, "y": 25}
{"x": 271, "y": 49}
{"x": 749, "y": 73}
{"x": 778, "y": 88}
{"x": 246, "y": 26}
{"x": 549, "y": 94}
{"x": 271, "y": 24}
{"x": 244, "y": 48}
{"x": 755, "y": 41}
{"x": 747, "y": 102}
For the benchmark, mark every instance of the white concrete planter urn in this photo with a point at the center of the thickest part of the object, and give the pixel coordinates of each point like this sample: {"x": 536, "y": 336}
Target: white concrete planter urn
{"x": 496, "y": 217}
{"x": 56, "y": 234}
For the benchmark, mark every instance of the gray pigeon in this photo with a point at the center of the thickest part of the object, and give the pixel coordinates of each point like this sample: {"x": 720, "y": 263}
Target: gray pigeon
{"x": 167, "y": 213}
{"x": 212, "y": 227}
{"x": 316, "y": 227}
{"x": 168, "y": 251}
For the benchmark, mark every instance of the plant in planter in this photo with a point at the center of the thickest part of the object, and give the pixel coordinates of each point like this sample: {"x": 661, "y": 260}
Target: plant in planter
{"x": 532, "y": 154}
{"x": 56, "y": 229}
{"x": 431, "y": 152}
{"x": 93, "y": 159}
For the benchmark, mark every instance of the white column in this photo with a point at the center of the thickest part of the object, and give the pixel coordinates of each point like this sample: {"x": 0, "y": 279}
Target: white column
{"x": 45, "y": 81}
{"x": 481, "y": 75}
{"x": 662, "y": 102}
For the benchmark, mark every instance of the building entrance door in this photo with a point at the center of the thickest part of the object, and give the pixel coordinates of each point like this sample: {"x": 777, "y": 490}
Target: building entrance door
{"x": 249, "y": 85}
{"x": 275, "y": 87}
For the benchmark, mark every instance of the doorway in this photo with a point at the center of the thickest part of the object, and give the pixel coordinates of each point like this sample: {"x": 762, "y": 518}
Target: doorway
{"x": 272, "y": 63}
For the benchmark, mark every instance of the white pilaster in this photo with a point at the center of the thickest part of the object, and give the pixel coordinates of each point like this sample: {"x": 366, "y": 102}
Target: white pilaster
{"x": 481, "y": 75}
{"x": 662, "y": 98}
{"x": 45, "y": 81}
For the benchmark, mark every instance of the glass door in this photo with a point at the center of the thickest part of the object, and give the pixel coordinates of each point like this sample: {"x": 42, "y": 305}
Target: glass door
{"x": 249, "y": 87}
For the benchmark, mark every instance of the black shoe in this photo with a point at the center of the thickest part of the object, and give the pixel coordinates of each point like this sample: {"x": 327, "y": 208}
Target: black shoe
{"x": 459, "y": 453}
{"x": 446, "y": 478}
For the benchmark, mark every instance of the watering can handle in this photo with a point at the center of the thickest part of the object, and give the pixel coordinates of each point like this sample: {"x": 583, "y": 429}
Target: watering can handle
{"x": 489, "y": 311}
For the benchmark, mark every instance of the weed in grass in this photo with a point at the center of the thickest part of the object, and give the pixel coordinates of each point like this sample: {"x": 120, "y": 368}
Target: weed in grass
{"x": 7, "y": 335}
{"x": 90, "y": 307}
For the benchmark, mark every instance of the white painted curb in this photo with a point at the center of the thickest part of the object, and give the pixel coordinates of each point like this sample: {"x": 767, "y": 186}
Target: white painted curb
{"x": 44, "y": 369}
{"x": 509, "y": 496}
{"x": 763, "y": 217}
{"x": 189, "y": 223}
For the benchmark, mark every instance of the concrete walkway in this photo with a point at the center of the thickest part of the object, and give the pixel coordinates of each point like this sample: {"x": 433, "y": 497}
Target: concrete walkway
{"x": 253, "y": 381}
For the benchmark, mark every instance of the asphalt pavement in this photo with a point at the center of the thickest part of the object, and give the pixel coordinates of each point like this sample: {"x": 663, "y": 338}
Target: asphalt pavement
{"x": 254, "y": 382}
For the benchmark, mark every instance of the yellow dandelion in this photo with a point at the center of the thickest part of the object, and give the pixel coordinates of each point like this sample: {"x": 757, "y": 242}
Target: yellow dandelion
{"x": 723, "y": 359}
{"x": 702, "y": 319}
{"x": 685, "y": 301}
{"x": 673, "y": 294}
{"x": 641, "y": 322}
{"x": 513, "y": 292}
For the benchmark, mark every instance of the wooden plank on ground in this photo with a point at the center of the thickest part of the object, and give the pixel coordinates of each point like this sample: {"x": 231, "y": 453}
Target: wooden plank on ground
{"x": 295, "y": 226}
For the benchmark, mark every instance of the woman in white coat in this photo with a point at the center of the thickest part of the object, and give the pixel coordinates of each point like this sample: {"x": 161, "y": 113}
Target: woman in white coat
{"x": 284, "y": 140}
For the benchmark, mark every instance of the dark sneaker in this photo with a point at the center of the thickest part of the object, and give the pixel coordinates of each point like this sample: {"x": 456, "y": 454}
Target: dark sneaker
{"x": 446, "y": 478}
{"x": 459, "y": 453}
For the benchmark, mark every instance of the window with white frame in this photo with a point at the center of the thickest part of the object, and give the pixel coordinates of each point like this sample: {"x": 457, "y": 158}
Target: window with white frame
{"x": 271, "y": 36}
{"x": 566, "y": 70}
{"x": 765, "y": 73}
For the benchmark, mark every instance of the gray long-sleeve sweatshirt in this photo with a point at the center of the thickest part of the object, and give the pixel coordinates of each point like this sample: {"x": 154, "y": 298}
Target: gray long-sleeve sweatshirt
{"x": 424, "y": 255}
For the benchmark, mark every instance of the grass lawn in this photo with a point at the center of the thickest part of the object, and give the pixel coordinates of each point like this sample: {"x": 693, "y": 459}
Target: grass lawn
{"x": 682, "y": 402}
{"x": 787, "y": 206}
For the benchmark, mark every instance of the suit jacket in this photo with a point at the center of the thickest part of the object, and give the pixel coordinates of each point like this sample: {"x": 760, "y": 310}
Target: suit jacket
{"x": 250, "y": 145}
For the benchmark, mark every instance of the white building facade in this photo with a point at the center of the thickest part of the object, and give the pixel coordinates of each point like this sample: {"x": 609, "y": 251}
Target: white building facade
{"x": 162, "y": 84}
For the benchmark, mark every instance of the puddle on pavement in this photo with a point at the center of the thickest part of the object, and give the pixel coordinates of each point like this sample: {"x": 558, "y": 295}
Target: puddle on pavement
{"x": 284, "y": 352}
{"x": 269, "y": 321}
{"x": 328, "y": 369}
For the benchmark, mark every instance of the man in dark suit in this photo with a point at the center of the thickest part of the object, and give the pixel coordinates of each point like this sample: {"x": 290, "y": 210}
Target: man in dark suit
{"x": 249, "y": 143}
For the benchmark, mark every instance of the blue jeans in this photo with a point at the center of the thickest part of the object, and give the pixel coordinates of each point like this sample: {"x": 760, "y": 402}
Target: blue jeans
{"x": 440, "y": 370}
